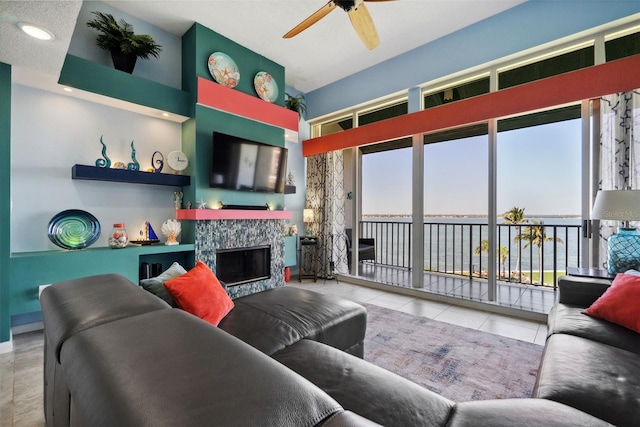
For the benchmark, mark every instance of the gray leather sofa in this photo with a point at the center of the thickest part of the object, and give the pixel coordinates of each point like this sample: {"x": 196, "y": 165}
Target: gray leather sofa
{"x": 588, "y": 363}
{"x": 116, "y": 355}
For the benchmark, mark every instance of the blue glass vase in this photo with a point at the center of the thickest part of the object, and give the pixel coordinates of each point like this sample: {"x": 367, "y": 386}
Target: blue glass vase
{"x": 623, "y": 251}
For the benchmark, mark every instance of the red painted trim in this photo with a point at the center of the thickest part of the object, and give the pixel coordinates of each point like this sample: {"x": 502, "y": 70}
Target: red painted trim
{"x": 232, "y": 101}
{"x": 587, "y": 83}
{"x": 225, "y": 214}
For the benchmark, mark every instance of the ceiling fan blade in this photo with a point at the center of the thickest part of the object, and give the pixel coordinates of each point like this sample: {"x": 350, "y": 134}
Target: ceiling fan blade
{"x": 315, "y": 17}
{"x": 363, "y": 24}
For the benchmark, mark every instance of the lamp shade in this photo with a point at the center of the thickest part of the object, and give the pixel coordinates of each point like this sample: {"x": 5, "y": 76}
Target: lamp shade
{"x": 622, "y": 205}
{"x": 308, "y": 215}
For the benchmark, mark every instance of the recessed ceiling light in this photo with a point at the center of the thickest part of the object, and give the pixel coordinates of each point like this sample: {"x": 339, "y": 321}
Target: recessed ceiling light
{"x": 67, "y": 89}
{"x": 165, "y": 114}
{"x": 35, "y": 31}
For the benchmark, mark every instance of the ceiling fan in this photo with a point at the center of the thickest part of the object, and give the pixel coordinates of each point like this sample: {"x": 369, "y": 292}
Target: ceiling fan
{"x": 358, "y": 15}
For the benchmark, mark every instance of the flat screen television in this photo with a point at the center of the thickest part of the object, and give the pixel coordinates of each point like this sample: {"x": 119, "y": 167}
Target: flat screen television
{"x": 244, "y": 165}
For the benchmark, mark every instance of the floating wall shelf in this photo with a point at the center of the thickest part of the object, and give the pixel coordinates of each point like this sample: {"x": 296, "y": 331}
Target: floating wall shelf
{"x": 134, "y": 177}
{"x": 226, "y": 214}
{"x": 214, "y": 95}
{"x": 96, "y": 78}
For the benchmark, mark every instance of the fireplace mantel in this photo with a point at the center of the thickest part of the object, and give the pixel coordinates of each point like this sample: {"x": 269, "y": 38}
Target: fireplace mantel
{"x": 227, "y": 214}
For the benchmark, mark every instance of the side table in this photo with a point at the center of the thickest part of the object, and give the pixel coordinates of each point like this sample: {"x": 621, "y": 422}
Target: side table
{"x": 308, "y": 247}
{"x": 594, "y": 273}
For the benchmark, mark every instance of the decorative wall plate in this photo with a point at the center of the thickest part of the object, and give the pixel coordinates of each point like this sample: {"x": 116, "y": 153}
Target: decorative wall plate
{"x": 73, "y": 229}
{"x": 223, "y": 69}
{"x": 266, "y": 86}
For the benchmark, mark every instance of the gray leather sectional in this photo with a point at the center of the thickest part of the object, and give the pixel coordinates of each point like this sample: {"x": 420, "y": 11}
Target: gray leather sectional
{"x": 588, "y": 363}
{"x": 116, "y": 355}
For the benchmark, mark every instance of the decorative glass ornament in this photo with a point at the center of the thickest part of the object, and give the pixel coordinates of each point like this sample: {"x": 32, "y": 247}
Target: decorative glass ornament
{"x": 118, "y": 238}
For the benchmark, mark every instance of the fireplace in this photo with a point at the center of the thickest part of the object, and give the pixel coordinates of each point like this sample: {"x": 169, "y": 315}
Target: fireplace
{"x": 243, "y": 265}
{"x": 221, "y": 234}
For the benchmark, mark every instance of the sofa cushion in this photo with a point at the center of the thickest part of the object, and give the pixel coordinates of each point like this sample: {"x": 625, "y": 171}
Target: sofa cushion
{"x": 261, "y": 330}
{"x": 183, "y": 372}
{"x": 593, "y": 377}
{"x": 568, "y": 319}
{"x": 155, "y": 285}
{"x": 200, "y": 293}
{"x": 619, "y": 304}
{"x": 296, "y": 313}
{"x": 365, "y": 388}
{"x": 75, "y": 305}
{"x": 520, "y": 412}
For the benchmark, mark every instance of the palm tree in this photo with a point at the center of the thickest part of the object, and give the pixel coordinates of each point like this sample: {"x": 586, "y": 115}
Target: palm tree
{"x": 515, "y": 215}
{"x": 536, "y": 235}
{"x": 503, "y": 253}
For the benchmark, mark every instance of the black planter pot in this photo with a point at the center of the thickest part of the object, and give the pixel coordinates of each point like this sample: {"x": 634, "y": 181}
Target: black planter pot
{"x": 123, "y": 61}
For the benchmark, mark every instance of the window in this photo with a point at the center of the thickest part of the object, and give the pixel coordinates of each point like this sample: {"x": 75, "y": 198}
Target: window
{"x": 559, "y": 64}
{"x": 383, "y": 113}
{"x": 334, "y": 126}
{"x": 622, "y": 46}
{"x": 456, "y": 93}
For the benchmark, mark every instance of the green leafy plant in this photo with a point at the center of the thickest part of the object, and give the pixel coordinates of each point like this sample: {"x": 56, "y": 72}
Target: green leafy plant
{"x": 119, "y": 36}
{"x": 295, "y": 103}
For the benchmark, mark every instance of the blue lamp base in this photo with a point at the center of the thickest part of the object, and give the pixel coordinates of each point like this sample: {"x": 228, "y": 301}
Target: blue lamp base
{"x": 623, "y": 251}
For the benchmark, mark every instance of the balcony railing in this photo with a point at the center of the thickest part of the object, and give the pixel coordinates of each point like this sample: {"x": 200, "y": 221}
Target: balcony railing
{"x": 527, "y": 253}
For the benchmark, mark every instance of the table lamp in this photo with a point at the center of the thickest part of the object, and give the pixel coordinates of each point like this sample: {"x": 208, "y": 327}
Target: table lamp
{"x": 623, "y": 249}
{"x": 308, "y": 217}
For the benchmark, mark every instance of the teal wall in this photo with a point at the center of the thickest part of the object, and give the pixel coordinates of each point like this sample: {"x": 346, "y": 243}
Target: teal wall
{"x": 22, "y": 273}
{"x": 248, "y": 61}
{"x": 5, "y": 198}
{"x": 32, "y": 269}
{"x": 198, "y": 43}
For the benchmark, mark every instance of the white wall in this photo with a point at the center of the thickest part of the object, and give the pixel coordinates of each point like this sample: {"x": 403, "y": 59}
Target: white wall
{"x": 167, "y": 69}
{"x": 49, "y": 134}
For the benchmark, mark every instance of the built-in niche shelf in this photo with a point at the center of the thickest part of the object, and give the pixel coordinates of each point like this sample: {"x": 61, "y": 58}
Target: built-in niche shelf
{"x": 226, "y": 214}
{"x": 95, "y": 173}
{"x": 134, "y": 90}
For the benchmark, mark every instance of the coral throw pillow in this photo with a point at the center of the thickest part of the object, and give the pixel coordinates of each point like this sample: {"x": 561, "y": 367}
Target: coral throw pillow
{"x": 200, "y": 293}
{"x": 619, "y": 304}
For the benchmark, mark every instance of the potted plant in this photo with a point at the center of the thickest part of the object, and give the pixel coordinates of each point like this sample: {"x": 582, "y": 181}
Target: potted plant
{"x": 295, "y": 103}
{"x": 119, "y": 39}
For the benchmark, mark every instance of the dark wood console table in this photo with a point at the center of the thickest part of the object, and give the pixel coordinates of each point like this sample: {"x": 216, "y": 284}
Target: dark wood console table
{"x": 594, "y": 273}
{"x": 308, "y": 244}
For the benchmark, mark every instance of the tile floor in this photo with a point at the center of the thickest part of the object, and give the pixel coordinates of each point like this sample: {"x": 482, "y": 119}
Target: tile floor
{"x": 21, "y": 371}
{"x": 509, "y": 326}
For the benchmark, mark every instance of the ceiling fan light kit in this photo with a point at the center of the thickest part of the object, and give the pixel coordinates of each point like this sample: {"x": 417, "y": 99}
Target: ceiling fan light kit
{"x": 358, "y": 15}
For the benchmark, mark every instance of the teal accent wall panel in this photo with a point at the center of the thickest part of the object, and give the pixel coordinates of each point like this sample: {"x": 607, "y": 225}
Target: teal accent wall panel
{"x": 290, "y": 251}
{"x": 5, "y": 195}
{"x": 209, "y": 120}
{"x": 29, "y": 270}
{"x": 249, "y": 62}
{"x": 86, "y": 75}
{"x": 189, "y": 80}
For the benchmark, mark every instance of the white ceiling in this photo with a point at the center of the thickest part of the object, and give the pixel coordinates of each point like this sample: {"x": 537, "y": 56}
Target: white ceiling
{"x": 324, "y": 53}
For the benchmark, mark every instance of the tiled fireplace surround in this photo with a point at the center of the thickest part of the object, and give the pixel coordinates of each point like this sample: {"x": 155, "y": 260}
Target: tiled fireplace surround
{"x": 242, "y": 233}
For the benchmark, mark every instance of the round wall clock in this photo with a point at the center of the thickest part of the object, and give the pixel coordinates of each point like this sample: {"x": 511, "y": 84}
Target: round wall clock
{"x": 177, "y": 161}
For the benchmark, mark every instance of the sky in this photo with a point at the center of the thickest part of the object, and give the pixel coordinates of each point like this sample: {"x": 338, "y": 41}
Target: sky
{"x": 538, "y": 169}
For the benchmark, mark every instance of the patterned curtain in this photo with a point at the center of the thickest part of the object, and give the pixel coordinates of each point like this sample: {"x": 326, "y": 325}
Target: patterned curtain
{"x": 619, "y": 151}
{"x": 325, "y": 195}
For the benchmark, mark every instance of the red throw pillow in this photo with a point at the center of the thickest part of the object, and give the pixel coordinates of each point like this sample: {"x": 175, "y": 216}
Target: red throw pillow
{"x": 200, "y": 293}
{"x": 619, "y": 304}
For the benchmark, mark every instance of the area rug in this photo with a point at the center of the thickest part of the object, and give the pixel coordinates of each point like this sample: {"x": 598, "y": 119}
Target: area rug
{"x": 459, "y": 363}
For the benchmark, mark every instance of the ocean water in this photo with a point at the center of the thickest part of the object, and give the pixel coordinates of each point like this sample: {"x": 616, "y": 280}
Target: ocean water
{"x": 451, "y": 242}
